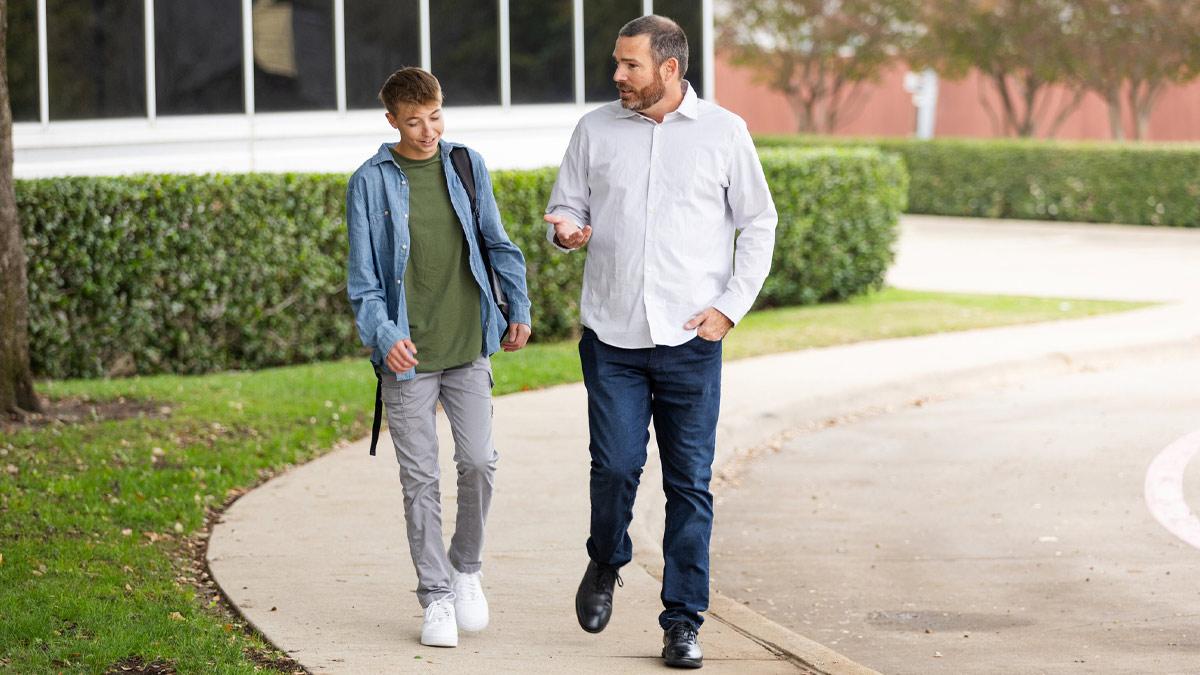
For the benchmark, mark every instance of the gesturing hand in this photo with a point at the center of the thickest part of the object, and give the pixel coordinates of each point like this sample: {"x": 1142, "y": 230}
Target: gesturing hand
{"x": 710, "y": 324}
{"x": 402, "y": 356}
{"x": 567, "y": 233}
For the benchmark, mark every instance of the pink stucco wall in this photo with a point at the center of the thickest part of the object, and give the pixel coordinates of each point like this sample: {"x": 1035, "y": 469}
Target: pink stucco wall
{"x": 889, "y": 110}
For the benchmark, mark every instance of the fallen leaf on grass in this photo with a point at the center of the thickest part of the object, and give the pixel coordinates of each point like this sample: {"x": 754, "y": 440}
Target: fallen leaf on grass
{"x": 175, "y": 616}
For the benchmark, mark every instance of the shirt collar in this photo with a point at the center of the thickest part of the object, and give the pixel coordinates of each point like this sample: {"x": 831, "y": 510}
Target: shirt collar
{"x": 385, "y": 153}
{"x": 689, "y": 107}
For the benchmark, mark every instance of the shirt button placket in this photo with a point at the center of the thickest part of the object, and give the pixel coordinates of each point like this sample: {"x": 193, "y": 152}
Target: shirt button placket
{"x": 648, "y": 285}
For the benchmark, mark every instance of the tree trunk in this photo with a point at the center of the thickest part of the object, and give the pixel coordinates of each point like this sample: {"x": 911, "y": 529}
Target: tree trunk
{"x": 1115, "y": 124}
{"x": 804, "y": 108}
{"x": 1142, "y": 97}
{"x": 16, "y": 380}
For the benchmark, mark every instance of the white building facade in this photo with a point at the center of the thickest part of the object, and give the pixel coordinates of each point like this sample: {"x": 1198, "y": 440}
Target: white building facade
{"x": 105, "y": 87}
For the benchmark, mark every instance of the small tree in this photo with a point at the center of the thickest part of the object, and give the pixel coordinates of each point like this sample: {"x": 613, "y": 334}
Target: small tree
{"x": 1133, "y": 49}
{"x": 1021, "y": 47}
{"x": 818, "y": 53}
{"x": 16, "y": 380}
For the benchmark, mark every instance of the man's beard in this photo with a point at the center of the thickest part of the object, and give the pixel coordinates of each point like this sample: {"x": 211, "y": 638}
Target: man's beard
{"x": 646, "y": 96}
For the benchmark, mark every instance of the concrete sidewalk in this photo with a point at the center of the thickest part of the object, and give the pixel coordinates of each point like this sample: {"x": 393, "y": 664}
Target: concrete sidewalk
{"x": 316, "y": 559}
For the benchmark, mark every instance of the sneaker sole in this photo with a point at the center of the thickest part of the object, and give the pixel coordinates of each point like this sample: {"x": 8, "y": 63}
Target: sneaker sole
{"x": 470, "y": 628}
{"x": 439, "y": 643}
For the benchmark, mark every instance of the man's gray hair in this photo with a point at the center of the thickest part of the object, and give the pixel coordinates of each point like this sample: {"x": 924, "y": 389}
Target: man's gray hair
{"x": 667, "y": 39}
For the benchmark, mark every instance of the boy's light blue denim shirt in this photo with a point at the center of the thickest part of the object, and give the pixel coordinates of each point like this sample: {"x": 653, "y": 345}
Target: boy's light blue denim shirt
{"x": 377, "y": 221}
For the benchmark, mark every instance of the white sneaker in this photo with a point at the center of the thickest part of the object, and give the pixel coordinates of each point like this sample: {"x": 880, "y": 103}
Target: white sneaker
{"x": 440, "y": 629}
{"x": 469, "y": 604}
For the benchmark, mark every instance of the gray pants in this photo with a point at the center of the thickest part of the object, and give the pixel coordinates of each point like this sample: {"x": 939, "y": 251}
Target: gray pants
{"x": 466, "y": 395}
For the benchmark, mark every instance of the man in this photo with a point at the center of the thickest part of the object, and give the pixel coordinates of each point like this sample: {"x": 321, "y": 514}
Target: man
{"x": 417, "y": 280}
{"x": 658, "y": 183}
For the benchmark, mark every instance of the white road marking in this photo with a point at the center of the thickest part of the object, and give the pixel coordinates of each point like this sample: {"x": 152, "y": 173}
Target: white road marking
{"x": 1164, "y": 489}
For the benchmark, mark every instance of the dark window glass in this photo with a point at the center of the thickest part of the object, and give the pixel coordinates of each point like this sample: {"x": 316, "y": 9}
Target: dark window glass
{"x": 198, "y": 56}
{"x": 542, "y": 53}
{"x": 97, "y": 52}
{"x": 689, "y": 15}
{"x": 465, "y": 50}
{"x": 293, "y": 55}
{"x": 382, "y": 36}
{"x": 23, "y": 60}
{"x": 602, "y": 20}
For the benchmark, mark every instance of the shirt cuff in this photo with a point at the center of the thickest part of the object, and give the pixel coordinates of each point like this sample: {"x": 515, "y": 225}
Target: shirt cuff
{"x": 732, "y": 306}
{"x": 519, "y": 314}
{"x": 389, "y": 335}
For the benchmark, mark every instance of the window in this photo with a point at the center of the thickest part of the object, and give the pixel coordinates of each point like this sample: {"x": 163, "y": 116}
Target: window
{"x": 381, "y": 37}
{"x": 97, "y": 52}
{"x": 602, "y": 20}
{"x": 465, "y": 40}
{"x": 198, "y": 56}
{"x": 690, "y": 17}
{"x": 22, "y": 54}
{"x": 293, "y": 55}
{"x": 541, "y": 53}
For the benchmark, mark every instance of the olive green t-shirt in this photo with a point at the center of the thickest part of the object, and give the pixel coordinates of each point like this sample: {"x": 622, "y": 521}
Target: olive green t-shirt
{"x": 441, "y": 294}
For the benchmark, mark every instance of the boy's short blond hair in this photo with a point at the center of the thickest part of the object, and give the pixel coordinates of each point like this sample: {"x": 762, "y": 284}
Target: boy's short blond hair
{"x": 411, "y": 86}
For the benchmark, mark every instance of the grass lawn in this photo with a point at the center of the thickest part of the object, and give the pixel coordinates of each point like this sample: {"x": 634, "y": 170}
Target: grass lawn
{"x": 102, "y": 522}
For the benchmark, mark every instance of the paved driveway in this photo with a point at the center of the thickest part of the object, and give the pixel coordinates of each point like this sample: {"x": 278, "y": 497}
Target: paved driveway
{"x": 994, "y": 527}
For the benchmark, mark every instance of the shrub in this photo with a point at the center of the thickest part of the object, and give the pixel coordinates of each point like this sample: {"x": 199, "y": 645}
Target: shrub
{"x": 188, "y": 274}
{"x": 1137, "y": 184}
{"x": 838, "y": 211}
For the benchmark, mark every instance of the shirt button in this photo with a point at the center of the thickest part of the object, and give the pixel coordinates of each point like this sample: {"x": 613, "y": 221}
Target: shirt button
{"x": 397, "y": 281}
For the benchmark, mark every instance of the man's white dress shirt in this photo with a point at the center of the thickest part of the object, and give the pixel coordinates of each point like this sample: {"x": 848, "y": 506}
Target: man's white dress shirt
{"x": 664, "y": 202}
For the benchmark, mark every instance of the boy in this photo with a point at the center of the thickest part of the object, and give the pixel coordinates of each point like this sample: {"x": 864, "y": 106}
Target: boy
{"x": 418, "y": 281}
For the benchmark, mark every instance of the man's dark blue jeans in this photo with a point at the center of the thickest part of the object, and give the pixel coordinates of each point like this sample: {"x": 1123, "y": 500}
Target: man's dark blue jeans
{"x": 680, "y": 389}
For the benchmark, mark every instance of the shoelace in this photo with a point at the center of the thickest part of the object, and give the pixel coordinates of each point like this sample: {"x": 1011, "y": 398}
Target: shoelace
{"x": 468, "y": 588}
{"x": 441, "y": 611}
{"x": 682, "y": 631}
{"x": 606, "y": 577}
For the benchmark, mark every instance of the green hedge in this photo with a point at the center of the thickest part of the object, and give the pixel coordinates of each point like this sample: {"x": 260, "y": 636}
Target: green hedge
{"x": 1137, "y": 184}
{"x": 188, "y": 274}
{"x": 838, "y": 211}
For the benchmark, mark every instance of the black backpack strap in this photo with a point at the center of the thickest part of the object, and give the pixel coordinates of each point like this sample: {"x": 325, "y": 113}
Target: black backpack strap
{"x": 462, "y": 166}
{"x": 378, "y": 412}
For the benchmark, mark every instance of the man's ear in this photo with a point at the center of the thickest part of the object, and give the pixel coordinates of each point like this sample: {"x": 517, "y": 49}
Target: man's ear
{"x": 670, "y": 67}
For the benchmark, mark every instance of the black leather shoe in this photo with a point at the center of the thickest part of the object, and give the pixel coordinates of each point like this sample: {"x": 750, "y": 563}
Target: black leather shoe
{"x": 593, "y": 600}
{"x": 681, "y": 646}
